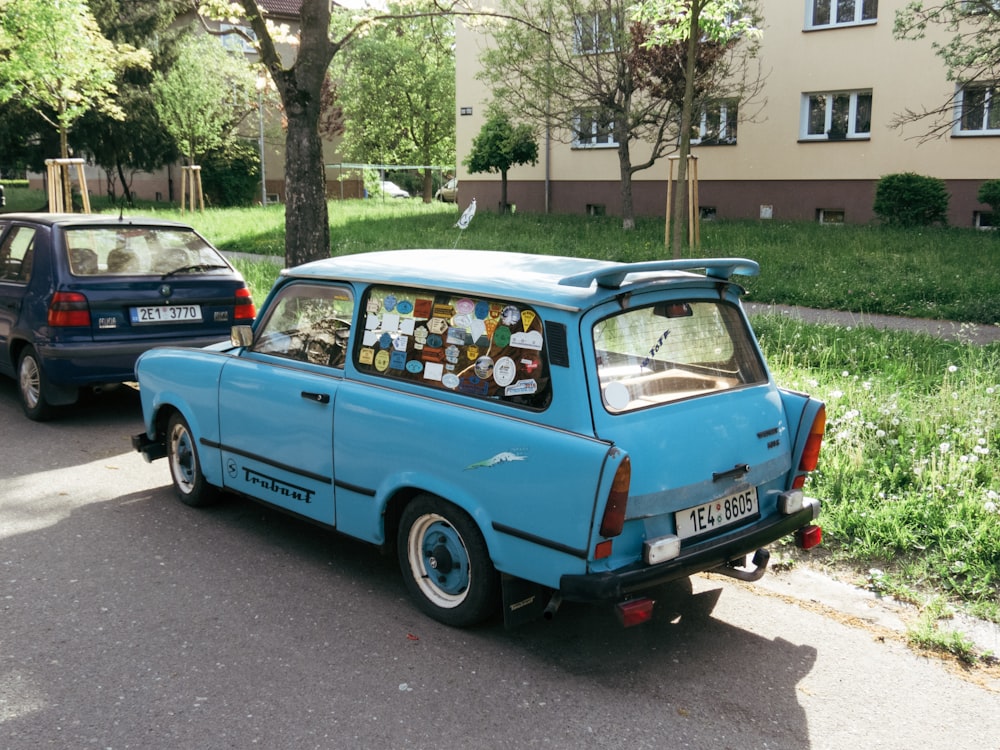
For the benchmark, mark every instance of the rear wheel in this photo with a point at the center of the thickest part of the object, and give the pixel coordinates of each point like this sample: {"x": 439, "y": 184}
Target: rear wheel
{"x": 445, "y": 563}
{"x": 185, "y": 466}
{"x": 32, "y": 385}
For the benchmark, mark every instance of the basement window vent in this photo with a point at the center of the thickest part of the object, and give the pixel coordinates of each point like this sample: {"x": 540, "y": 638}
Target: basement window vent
{"x": 596, "y": 209}
{"x": 707, "y": 213}
{"x": 830, "y": 216}
{"x": 983, "y": 220}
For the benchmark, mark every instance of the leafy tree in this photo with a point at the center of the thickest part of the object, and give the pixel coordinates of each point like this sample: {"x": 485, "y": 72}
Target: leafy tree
{"x": 57, "y": 63}
{"x": 397, "y": 90}
{"x": 231, "y": 174}
{"x": 582, "y": 71}
{"x": 204, "y": 96}
{"x": 989, "y": 193}
{"x": 499, "y": 146}
{"x": 695, "y": 24}
{"x": 139, "y": 142}
{"x": 971, "y": 51}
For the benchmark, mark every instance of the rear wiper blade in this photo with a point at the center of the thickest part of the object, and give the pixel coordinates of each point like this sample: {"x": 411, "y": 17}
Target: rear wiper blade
{"x": 196, "y": 268}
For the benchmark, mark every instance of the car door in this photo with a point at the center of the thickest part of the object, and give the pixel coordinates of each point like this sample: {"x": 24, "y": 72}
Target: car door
{"x": 17, "y": 243}
{"x": 276, "y": 401}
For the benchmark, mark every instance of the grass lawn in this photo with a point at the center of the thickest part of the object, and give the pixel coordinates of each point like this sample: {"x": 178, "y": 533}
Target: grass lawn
{"x": 909, "y": 474}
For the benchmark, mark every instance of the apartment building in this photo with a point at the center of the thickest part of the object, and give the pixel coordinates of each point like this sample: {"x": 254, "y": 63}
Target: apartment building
{"x": 820, "y": 135}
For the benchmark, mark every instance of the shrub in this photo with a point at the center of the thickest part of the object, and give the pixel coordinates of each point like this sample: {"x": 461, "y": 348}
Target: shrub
{"x": 989, "y": 193}
{"x": 911, "y": 200}
{"x": 230, "y": 175}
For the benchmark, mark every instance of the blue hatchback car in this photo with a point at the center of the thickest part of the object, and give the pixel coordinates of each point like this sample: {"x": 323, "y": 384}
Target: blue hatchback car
{"x": 82, "y": 296}
{"x": 520, "y": 429}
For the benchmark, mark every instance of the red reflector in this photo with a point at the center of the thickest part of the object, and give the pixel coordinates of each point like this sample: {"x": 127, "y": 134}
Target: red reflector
{"x": 799, "y": 482}
{"x": 245, "y": 309}
{"x": 808, "y": 536}
{"x": 602, "y": 550}
{"x": 635, "y": 611}
{"x": 614, "y": 512}
{"x": 810, "y": 456}
{"x": 69, "y": 309}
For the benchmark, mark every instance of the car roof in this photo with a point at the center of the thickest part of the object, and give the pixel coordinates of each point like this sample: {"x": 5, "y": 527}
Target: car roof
{"x": 49, "y": 219}
{"x": 556, "y": 281}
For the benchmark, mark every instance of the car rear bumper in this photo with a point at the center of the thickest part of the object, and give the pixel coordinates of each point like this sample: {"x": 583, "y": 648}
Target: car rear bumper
{"x": 87, "y": 363}
{"x": 617, "y": 584}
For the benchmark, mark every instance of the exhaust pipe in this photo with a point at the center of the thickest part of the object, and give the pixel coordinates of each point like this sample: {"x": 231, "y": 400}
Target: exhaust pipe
{"x": 552, "y": 607}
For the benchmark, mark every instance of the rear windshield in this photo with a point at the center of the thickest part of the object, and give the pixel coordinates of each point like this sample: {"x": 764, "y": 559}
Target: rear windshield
{"x": 671, "y": 351}
{"x": 138, "y": 251}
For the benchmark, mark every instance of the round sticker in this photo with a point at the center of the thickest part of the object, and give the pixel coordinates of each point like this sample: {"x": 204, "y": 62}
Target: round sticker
{"x": 484, "y": 367}
{"x": 465, "y": 306}
{"x": 450, "y": 380}
{"x": 482, "y": 310}
{"x": 404, "y": 307}
{"x": 414, "y": 366}
{"x": 382, "y": 360}
{"x": 504, "y": 371}
{"x": 616, "y": 395}
{"x": 501, "y": 336}
{"x": 389, "y": 302}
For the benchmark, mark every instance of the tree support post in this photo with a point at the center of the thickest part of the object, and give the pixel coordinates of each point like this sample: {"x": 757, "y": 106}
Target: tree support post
{"x": 191, "y": 189}
{"x": 694, "y": 207}
{"x": 60, "y": 195}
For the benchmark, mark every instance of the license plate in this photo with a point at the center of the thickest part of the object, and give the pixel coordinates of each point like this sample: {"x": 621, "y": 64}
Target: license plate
{"x": 718, "y": 514}
{"x": 165, "y": 314}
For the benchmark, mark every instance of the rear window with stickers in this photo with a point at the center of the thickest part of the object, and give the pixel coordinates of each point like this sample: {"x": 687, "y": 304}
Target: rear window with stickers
{"x": 485, "y": 348}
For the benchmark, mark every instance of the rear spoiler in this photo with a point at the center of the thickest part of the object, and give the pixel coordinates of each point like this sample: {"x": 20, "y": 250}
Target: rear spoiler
{"x": 613, "y": 277}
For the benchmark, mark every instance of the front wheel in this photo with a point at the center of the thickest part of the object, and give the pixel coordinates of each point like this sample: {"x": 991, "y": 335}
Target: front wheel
{"x": 31, "y": 386}
{"x": 185, "y": 466}
{"x": 445, "y": 563}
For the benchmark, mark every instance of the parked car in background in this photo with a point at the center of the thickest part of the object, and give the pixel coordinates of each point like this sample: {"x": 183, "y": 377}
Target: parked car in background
{"x": 82, "y": 296}
{"x": 523, "y": 429}
{"x": 392, "y": 190}
{"x": 448, "y": 193}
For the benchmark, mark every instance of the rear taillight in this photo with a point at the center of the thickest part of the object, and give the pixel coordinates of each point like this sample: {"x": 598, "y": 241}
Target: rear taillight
{"x": 810, "y": 455}
{"x": 245, "y": 309}
{"x": 69, "y": 309}
{"x": 808, "y": 537}
{"x": 614, "y": 511}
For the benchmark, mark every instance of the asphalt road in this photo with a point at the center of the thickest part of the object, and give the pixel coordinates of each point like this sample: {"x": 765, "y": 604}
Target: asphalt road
{"x": 130, "y": 621}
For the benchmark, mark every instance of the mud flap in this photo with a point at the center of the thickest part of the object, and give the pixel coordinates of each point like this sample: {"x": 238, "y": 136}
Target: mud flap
{"x": 523, "y": 601}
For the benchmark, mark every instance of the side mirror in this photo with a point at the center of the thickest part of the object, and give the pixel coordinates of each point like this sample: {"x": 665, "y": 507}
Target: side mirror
{"x": 241, "y": 336}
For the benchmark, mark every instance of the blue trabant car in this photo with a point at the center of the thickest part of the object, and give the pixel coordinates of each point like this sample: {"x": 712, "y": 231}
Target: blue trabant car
{"x": 521, "y": 430}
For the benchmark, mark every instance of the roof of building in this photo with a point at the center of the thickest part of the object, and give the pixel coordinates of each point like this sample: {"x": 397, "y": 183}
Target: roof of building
{"x": 291, "y": 8}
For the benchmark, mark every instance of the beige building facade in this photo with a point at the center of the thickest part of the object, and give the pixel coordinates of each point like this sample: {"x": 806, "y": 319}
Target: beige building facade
{"x": 790, "y": 160}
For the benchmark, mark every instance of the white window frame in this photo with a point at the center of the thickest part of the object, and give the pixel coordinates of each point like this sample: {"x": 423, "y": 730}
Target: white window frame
{"x": 852, "y": 116}
{"x": 727, "y": 133}
{"x": 990, "y": 111}
{"x": 596, "y": 32}
{"x": 855, "y": 20}
{"x": 593, "y": 119}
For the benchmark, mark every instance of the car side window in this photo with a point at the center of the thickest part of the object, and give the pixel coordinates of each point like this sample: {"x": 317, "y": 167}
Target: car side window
{"x": 308, "y": 323}
{"x": 17, "y": 255}
{"x": 484, "y": 348}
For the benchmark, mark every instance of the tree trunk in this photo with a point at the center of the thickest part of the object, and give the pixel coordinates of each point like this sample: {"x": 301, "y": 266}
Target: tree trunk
{"x": 680, "y": 223}
{"x": 625, "y": 176}
{"x": 503, "y": 191}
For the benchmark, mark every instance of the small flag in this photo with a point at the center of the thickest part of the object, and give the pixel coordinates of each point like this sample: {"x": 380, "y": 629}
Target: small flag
{"x": 467, "y": 215}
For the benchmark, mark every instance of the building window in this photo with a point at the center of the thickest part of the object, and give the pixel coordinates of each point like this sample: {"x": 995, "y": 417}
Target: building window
{"x": 836, "y": 115}
{"x": 594, "y": 129}
{"x": 830, "y": 216}
{"x": 826, "y": 13}
{"x": 594, "y": 33}
{"x": 717, "y": 124}
{"x": 978, "y": 109}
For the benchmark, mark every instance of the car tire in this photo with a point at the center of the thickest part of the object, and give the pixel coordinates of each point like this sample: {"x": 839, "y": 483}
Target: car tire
{"x": 32, "y": 386}
{"x": 185, "y": 465}
{"x": 435, "y": 535}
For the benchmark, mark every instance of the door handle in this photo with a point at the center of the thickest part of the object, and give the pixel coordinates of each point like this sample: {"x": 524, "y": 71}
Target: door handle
{"x": 319, "y": 398}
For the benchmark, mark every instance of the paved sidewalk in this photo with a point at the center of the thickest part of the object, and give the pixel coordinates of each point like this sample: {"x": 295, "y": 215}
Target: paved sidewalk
{"x": 969, "y": 333}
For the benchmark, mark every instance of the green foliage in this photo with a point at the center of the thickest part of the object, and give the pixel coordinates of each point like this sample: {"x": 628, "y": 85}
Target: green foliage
{"x": 989, "y": 193}
{"x": 911, "y": 200}
{"x": 501, "y": 145}
{"x": 204, "y": 95}
{"x": 397, "y": 90}
{"x": 57, "y": 63}
{"x": 230, "y": 174}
